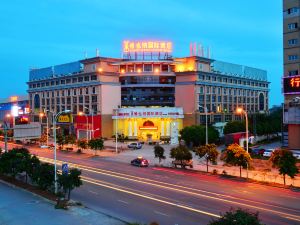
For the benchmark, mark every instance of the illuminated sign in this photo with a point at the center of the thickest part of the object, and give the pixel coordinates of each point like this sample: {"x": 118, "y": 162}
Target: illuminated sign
{"x": 15, "y": 110}
{"x": 147, "y": 46}
{"x": 291, "y": 85}
{"x": 124, "y": 113}
{"x": 64, "y": 118}
{"x": 14, "y": 98}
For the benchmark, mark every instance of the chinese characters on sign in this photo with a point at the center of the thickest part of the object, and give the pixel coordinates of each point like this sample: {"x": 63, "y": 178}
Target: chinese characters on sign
{"x": 295, "y": 82}
{"x": 147, "y": 46}
{"x": 291, "y": 85}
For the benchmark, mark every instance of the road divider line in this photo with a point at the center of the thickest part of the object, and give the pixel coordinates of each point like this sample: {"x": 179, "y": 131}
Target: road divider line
{"x": 112, "y": 174}
{"x": 152, "y": 198}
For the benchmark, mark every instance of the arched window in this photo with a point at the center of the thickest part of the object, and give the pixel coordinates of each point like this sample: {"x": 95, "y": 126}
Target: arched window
{"x": 148, "y": 123}
{"x": 261, "y": 102}
{"x": 36, "y": 101}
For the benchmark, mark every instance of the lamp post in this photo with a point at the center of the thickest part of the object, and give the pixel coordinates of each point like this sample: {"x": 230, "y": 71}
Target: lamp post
{"x": 241, "y": 111}
{"x": 5, "y": 133}
{"x": 47, "y": 129}
{"x": 87, "y": 124}
{"x": 116, "y": 131}
{"x": 206, "y": 130}
{"x": 54, "y": 118}
{"x": 92, "y": 114}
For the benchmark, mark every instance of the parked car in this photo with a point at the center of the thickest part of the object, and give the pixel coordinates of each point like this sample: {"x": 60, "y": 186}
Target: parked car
{"x": 140, "y": 161}
{"x": 182, "y": 163}
{"x": 257, "y": 151}
{"x": 268, "y": 152}
{"x": 297, "y": 155}
{"x": 135, "y": 145}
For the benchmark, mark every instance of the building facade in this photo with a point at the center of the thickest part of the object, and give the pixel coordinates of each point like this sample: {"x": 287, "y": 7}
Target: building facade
{"x": 291, "y": 77}
{"x": 14, "y": 108}
{"x": 148, "y": 94}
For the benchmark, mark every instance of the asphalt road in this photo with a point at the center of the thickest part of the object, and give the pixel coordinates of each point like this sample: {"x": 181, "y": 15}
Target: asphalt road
{"x": 172, "y": 196}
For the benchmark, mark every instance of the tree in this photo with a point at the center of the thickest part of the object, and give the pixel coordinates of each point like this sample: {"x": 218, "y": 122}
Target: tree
{"x": 70, "y": 139}
{"x": 43, "y": 138}
{"x": 82, "y": 143}
{"x": 209, "y": 152}
{"x": 60, "y": 139}
{"x": 195, "y": 135}
{"x": 159, "y": 152}
{"x": 284, "y": 160}
{"x": 234, "y": 126}
{"x": 44, "y": 176}
{"x": 69, "y": 181}
{"x": 96, "y": 144}
{"x": 181, "y": 153}
{"x": 237, "y": 156}
{"x": 237, "y": 217}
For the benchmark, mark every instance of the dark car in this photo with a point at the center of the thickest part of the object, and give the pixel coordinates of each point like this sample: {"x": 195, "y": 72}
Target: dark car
{"x": 140, "y": 161}
{"x": 257, "y": 151}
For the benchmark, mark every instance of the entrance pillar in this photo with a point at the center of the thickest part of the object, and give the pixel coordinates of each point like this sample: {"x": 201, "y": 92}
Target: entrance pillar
{"x": 135, "y": 128}
{"x": 129, "y": 128}
{"x": 162, "y": 127}
{"x": 168, "y": 128}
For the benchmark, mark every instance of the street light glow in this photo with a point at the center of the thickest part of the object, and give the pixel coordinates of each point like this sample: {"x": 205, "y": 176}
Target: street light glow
{"x": 239, "y": 110}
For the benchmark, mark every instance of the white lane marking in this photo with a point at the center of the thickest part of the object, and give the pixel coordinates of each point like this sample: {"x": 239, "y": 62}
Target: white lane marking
{"x": 291, "y": 218}
{"x": 93, "y": 192}
{"x": 160, "y": 213}
{"x": 127, "y": 203}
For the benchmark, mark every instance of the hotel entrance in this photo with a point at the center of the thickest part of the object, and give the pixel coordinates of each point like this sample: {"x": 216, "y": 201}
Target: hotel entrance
{"x": 149, "y": 124}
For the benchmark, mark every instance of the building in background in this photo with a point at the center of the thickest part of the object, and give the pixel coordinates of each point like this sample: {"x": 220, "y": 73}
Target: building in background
{"x": 147, "y": 94}
{"x": 291, "y": 77}
{"x": 14, "y": 109}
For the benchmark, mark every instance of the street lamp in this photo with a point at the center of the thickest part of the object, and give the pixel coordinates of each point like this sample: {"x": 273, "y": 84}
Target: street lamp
{"x": 54, "y": 118}
{"x": 47, "y": 131}
{"x": 206, "y": 130}
{"x": 116, "y": 131}
{"x": 241, "y": 111}
{"x": 87, "y": 123}
{"x": 92, "y": 114}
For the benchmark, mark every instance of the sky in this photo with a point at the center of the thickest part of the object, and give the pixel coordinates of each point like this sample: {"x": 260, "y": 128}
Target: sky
{"x": 44, "y": 33}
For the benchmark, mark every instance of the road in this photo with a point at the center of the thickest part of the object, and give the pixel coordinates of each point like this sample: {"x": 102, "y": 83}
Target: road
{"x": 172, "y": 196}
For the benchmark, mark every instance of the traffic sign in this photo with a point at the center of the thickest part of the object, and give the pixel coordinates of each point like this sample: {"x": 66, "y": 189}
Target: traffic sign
{"x": 65, "y": 168}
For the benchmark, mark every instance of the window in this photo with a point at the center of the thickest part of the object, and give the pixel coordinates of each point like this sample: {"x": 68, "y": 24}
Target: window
{"x": 292, "y": 10}
{"x": 80, "y": 79}
{"x": 293, "y": 72}
{"x": 292, "y": 26}
{"x": 201, "y": 98}
{"x": 68, "y": 81}
{"x": 86, "y": 90}
{"x": 147, "y": 67}
{"x": 86, "y": 78}
{"x": 292, "y": 42}
{"x": 201, "y": 90}
{"x": 62, "y": 81}
{"x": 74, "y": 92}
{"x": 93, "y": 77}
{"x": 293, "y": 57}
{"x": 74, "y": 80}
{"x": 94, "y": 90}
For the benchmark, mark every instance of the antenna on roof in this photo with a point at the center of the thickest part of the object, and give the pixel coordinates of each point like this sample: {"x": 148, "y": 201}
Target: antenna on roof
{"x": 85, "y": 54}
{"x": 199, "y": 50}
{"x": 195, "y": 49}
{"x": 208, "y": 52}
{"x": 97, "y": 52}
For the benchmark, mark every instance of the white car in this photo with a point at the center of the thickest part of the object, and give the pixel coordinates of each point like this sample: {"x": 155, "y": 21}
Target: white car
{"x": 297, "y": 155}
{"x": 268, "y": 152}
{"x": 44, "y": 146}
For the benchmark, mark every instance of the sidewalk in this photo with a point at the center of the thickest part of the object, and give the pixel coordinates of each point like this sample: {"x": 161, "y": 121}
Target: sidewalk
{"x": 21, "y": 207}
{"x": 263, "y": 170}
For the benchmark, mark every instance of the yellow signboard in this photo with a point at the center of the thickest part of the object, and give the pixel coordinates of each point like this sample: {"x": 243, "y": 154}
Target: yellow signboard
{"x": 147, "y": 46}
{"x": 66, "y": 118}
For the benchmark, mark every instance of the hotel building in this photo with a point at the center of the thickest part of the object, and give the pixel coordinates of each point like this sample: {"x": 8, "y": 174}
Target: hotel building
{"x": 291, "y": 77}
{"x": 147, "y": 94}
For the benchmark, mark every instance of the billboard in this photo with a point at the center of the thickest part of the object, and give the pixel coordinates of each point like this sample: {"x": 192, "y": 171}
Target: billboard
{"x": 65, "y": 118}
{"x": 291, "y": 85}
{"x": 27, "y": 131}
